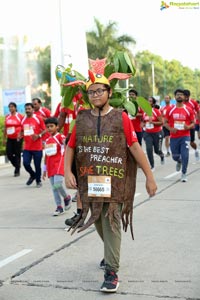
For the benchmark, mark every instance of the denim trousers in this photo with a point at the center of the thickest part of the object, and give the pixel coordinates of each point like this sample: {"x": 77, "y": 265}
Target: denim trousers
{"x": 180, "y": 151}
{"x": 28, "y": 155}
{"x": 58, "y": 188}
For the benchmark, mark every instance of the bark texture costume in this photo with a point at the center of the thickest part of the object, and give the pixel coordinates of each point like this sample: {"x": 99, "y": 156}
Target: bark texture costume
{"x": 106, "y": 169}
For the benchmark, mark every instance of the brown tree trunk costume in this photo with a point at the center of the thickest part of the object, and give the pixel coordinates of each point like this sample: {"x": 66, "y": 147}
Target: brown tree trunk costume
{"x": 107, "y": 156}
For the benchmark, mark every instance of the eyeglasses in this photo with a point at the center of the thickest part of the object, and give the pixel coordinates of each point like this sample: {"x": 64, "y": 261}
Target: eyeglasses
{"x": 98, "y": 92}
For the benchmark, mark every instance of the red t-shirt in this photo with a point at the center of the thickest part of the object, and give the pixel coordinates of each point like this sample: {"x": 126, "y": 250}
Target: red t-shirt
{"x": 194, "y": 106}
{"x": 30, "y": 126}
{"x": 54, "y": 154}
{"x": 149, "y": 127}
{"x": 13, "y": 125}
{"x": 136, "y": 121}
{"x": 164, "y": 109}
{"x": 128, "y": 131}
{"x": 177, "y": 117}
{"x": 43, "y": 112}
{"x": 58, "y": 110}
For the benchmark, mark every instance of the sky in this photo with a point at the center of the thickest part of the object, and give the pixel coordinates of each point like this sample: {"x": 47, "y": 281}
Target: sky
{"x": 171, "y": 33}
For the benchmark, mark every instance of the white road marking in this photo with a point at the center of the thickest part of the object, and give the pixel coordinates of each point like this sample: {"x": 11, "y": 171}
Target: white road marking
{"x": 14, "y": 257}
{"x": 172, "y": 175}
{"x": 137, "y": 194}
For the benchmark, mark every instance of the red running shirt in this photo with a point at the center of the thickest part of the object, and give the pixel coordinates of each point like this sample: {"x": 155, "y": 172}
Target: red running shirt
{"x": 177, "y": 117}
{"x": 54, "y": 154}
{"x": 13, "y": 125}
{"x": 30, "y": 126}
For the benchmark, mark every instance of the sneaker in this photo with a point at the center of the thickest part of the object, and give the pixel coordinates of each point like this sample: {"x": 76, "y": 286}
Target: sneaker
{"x": 152, "y": 169}
{"x": 178, "y": 166}
{"x": 67, "y": 202}
{"x": 30, "y": 181}
{"x": 73, "y": 220}
{"x": 59, "y": 211}
{"x": 111, "y": 283}
{"x": 167, "y": 154}
{"x": 102, "y": 264}
{"x": 74, "y": 198}
{"x": 162, "y": 160}
{"x": 197, "y": 155}
{"x": 16, "y": 174}
{"x": 38, "y": 184}
{"x": 183, "y": 178}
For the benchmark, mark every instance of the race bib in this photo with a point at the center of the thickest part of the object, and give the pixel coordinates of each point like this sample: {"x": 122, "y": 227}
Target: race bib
{"x": 50, "y": 149}
{"x": 10, "y": 130}
{"x": 179, "y": 125}
{"x": 149, "y": 125}
{"x": 28, "y": 130}
{"x": 99, "y": 186}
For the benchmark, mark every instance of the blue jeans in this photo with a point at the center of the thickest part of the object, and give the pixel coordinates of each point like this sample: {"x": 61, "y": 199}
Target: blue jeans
{"x": 28, "y": 155}
{"x": 180, "y": 151}
{"x": 57, "y": 188}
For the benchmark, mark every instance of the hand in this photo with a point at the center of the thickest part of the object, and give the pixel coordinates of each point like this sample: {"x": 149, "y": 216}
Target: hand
{"x": 151, "y": 187}
{"x": 44, "y": 175}
{"x": 35, "y": 136}
{"x": 173, "y": 130}
{"x": 70, "y": 180}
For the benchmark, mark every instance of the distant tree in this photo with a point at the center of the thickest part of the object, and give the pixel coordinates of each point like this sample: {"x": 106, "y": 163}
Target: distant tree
{"x": 103, "y": 40}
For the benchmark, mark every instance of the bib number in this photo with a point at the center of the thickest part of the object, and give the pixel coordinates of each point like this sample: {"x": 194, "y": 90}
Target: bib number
{"x": 179, "y": 125}
{"x": 99, "y": 186}
{"x": 50, "y": 149}
{"x": 28, "y": 130}
{"x": 10, "y": 130}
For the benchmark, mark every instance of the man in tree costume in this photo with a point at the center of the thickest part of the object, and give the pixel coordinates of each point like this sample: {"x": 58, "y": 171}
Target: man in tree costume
{"x": 106, "y": 150}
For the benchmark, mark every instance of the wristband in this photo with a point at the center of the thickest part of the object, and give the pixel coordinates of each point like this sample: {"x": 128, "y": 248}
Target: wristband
{"x": 44, "y": 168}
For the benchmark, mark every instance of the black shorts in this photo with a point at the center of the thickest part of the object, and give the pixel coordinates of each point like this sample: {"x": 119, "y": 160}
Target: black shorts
{"x": 192, "y": 135}
{"x": 166, "y": 132}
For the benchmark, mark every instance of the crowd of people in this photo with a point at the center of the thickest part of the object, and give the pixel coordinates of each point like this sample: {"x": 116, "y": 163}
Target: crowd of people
{"x": 39, "y": 134}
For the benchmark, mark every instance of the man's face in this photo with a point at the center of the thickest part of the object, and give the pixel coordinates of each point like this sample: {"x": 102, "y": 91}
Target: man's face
{"x": 179, "y": 97}
{"x": 36, "y": 105}
{"x": 167, "y": 99}
{"x": 29, "y": 110}
{"x": 133, "y": 95}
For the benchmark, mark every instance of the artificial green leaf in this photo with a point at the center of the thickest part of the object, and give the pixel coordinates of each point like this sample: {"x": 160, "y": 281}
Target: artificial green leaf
{"x": 129, "y": 63}
{"x": 122, "y": 62}
{"x": 145, "y": 105}
{"x": 130, "y": 107}
{"x": 69, "y": 95}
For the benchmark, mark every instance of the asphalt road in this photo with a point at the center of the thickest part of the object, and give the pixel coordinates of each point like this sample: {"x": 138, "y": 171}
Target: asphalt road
{"x": 39, "y": 260}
